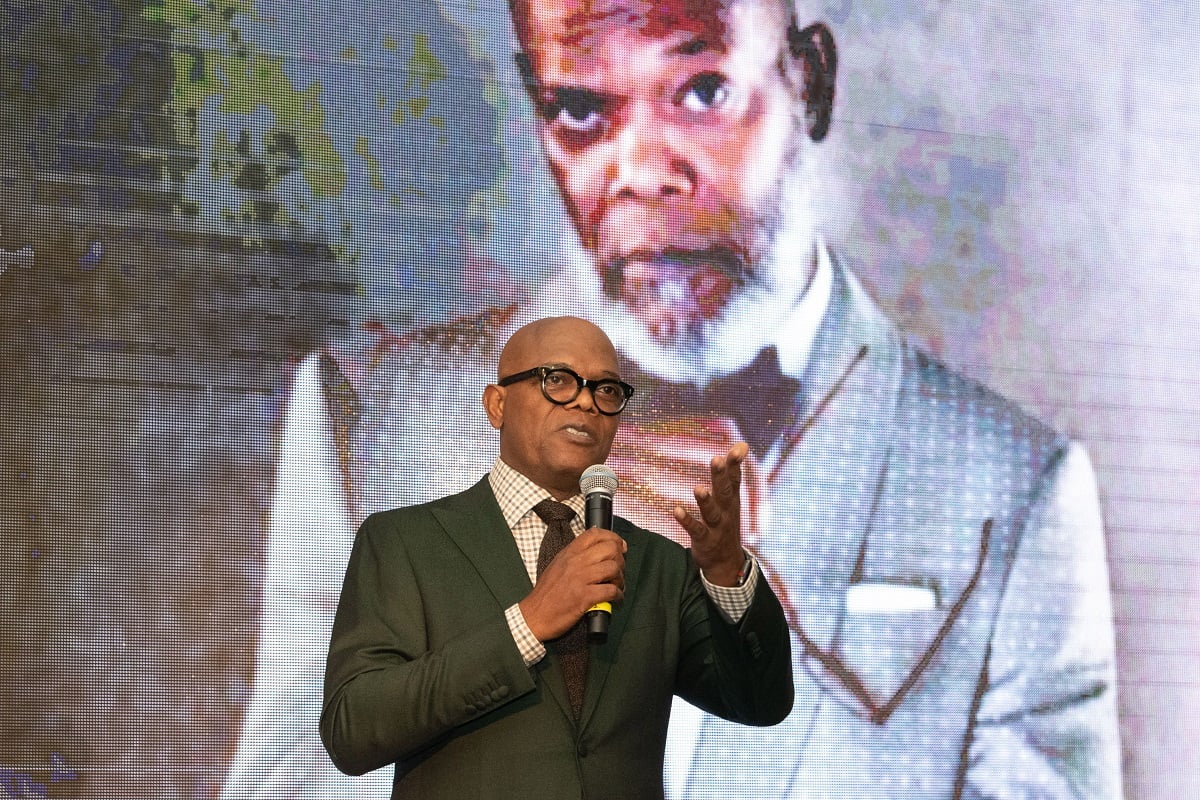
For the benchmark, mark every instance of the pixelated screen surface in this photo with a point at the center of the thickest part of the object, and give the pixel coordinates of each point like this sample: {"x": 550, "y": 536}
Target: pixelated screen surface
{"x": 934, "y": 262}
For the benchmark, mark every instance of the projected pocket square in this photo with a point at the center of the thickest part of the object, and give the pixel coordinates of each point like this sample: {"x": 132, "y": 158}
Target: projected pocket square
{"x": 873, "y": 597}
{"x": 892, "y": 631}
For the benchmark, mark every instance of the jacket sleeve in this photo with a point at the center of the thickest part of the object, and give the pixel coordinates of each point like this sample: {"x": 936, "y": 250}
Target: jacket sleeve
{"x": 1047, "y": 718}
{"x": 389, "y": 696}
{"x": 739, "y": 671}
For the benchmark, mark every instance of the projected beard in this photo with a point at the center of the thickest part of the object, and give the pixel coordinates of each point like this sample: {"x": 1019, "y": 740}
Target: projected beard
{"x": 676, "y": 142}
{"x": 690, "y": 287}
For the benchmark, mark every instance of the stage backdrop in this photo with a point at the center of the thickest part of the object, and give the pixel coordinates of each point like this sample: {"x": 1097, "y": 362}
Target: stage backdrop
{"x": 199, "y": 199}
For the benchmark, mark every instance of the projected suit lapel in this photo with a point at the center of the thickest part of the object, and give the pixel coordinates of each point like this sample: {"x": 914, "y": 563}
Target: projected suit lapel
{"x": 839, "y": 517}
{"x": 821, "y": 497}
{"x": 882, "y": 414}
{"x": 824, "y": 500}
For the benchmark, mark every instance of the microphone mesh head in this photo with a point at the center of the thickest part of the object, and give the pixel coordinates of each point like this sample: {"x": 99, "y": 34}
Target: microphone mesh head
{"x": 598, "y": 478}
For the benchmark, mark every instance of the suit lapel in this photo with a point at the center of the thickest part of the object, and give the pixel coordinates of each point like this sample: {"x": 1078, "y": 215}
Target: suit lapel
{"x": 474, "y": 521}
{"x": 476, "y": 525}
{"x": 826, "y": 485}
{"x": 602, "y": 656}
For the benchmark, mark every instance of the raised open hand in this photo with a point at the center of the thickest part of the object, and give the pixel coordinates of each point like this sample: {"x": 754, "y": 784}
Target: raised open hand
{"x": 716, "y": 535}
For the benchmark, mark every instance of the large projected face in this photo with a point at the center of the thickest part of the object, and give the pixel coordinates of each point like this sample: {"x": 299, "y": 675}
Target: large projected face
{"x": 670, "y": 127}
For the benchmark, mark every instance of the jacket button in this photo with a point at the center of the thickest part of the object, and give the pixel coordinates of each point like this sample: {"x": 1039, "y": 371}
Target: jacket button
{"x": 470, "y": 709}
{"x": 582, "y": 750}
{"x": 753, "y": 645}
{"x": 499, "y": 694}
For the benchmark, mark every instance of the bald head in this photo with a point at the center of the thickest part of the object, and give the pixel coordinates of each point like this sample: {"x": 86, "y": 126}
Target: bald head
{"x": 529, "y": 338}
{"x": 551, "y": 443}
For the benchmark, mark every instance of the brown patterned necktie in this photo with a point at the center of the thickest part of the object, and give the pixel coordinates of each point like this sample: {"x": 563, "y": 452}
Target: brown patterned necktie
{"x": 570, "y": 648}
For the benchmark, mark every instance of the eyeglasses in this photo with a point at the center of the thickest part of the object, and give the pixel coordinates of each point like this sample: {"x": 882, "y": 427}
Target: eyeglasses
{"x": 561, "y": 385}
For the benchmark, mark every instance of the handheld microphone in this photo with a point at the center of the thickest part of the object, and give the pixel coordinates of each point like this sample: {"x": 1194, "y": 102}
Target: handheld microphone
{"x": 598, "y": 484}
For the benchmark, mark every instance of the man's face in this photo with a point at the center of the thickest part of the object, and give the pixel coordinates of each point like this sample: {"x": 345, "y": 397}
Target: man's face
{"x": 670, "y": 127}
{"x": 548, "y": 443}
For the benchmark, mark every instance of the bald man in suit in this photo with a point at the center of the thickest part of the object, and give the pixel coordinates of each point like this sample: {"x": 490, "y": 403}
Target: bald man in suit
{"x": 448, "y": 655}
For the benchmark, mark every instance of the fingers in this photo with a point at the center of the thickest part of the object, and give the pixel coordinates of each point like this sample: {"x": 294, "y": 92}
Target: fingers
{"x": 598, "y": 537}
{"x": 711, "y": 507}
{"x": 694, "y": 527}
{"x": 590, "y": 570}
{"x": 606, "y": 593}
{"x": 726, "y": 471}
{"x": 599, "y": 557}
{"x": 737, "y": 454}
{"x": 610, "y": 570}
{"x": 721, "y": 501}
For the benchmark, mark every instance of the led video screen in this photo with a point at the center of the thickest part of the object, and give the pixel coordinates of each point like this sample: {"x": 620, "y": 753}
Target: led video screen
{"x": 933, "y": 262}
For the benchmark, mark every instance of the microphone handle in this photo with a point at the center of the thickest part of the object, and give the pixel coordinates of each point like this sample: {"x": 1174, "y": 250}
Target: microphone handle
{"x": 598, "y": 513}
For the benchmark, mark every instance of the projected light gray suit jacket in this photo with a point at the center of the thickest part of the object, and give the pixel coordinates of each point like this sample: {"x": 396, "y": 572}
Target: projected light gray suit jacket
{"x": 940, "y": 553}
{"x": 943, "y": 559}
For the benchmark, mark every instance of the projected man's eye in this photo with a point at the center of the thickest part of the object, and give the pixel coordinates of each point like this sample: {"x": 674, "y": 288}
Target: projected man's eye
{"x": 704, "y": 92}
{"x": 577, "y": 110}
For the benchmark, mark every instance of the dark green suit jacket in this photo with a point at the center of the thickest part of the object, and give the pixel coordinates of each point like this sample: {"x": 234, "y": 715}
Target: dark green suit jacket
{"x": 424, "y": 673}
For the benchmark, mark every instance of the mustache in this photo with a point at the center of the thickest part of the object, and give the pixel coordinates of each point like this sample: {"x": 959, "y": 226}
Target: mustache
{"x": 730, "y": 261}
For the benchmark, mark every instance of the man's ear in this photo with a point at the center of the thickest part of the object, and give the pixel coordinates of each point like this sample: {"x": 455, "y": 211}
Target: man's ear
{"x": 815, "y": 51}
{"x": 493, "y": 404}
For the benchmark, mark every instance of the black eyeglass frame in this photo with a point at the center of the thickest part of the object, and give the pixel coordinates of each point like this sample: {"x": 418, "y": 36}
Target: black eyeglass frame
{"x": 580, "y": 383}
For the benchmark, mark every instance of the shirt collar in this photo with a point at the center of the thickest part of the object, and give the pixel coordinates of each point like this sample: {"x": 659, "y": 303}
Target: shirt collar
{"x": 517, "y": 494}
{"x": 794, "y": 338}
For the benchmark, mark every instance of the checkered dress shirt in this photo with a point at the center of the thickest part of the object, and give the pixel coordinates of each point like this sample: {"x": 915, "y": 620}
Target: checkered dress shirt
{"x": 517, "y": 495}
